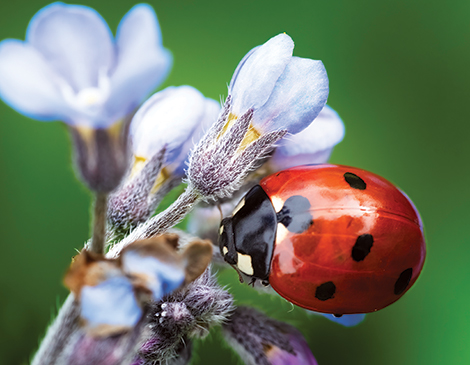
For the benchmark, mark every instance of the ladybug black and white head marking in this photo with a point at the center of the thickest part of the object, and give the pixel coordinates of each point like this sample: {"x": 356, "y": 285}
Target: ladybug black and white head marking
{"x": 247, "y": 238}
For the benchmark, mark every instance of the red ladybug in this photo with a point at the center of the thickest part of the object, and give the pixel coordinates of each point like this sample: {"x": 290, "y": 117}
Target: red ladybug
{"x": 329, "y": 238}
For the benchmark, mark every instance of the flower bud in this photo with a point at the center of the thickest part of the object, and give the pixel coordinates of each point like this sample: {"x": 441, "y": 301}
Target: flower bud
{"x": 260, "y": 340}
{"x": 162, "y": 133}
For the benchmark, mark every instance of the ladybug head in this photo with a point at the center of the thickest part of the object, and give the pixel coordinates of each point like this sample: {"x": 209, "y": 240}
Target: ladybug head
{"x": 226, "y": 244}
{"x": 246, "y": 239}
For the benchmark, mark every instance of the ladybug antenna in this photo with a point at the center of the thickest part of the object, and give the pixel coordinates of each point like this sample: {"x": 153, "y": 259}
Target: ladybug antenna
{"x": 240, "y": 277}
{"x": 252, "y": 282}
{"x": 220, "y": 211}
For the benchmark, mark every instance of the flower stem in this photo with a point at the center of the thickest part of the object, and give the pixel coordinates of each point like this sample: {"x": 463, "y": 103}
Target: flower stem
{"x": 60, "y": 331}
{"x": 161, "y": 222}
{"x": 99, "y": 223}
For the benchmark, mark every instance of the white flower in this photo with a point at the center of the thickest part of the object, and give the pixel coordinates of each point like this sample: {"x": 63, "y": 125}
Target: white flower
{"x": 70, "y": 68}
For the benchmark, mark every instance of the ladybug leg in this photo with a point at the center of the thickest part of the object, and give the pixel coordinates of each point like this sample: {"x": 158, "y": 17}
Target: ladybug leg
{"x": 265, "y": 282}
{"x": 240, "y": 277}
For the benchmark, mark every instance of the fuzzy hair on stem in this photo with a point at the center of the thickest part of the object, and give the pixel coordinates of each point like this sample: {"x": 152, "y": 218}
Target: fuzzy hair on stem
{"x": 218, "y": 164}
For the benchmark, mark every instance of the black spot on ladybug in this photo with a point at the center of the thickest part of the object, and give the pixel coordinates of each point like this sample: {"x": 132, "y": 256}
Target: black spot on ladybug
{"x": 295, "y": 214}
{"x": 403, "y": 281}
{"x": 354, "y": 181}
{"x": 362, "y": 247}
{"x": 325, "y": 291}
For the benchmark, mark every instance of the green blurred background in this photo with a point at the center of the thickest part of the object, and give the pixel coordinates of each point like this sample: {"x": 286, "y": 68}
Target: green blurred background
{"x": 399, "y": 77}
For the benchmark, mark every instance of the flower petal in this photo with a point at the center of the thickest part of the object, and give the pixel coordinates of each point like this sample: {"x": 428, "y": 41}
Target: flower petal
{"x": 111, "y": 302}
{"x": 298, "y": 97}
{"x": 347, "y": 320}
{"x": 75, "y": 40}
{"x": 168, "y": 119}
{"x": 240, "y": 66}
{"x": 143, "y": 63}
{"x": 313, "y": 145}
{"x": 160, "y": 277}
{"x": 26, "y": 82}
{"x": 258, "y": 72}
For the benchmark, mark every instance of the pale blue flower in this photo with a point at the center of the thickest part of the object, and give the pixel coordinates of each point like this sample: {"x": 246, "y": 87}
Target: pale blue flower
{"x": 111, "y": 292}
{"x": 313, "y": 145}
{"x": 160, "y": 277}
{"x": 174, "y": 118}
{"x": 347, "y": 320}
{"x": 111, "y": 302}
{"x": 70, "y": 68}
{"x": 285, "y": 92}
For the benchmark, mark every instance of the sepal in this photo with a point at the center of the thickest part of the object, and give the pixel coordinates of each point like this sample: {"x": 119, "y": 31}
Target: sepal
{"x": 101, "y": 155}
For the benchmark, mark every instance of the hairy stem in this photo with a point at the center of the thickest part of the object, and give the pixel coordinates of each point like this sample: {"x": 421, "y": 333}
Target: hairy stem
{"x": 161, "y": 222}
{"x": 99, "y": 223}
{"x": 58, "y": 334}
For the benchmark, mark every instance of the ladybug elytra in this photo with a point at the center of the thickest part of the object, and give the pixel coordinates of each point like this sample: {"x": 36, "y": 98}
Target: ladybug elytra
{"x": 329, "y": 238}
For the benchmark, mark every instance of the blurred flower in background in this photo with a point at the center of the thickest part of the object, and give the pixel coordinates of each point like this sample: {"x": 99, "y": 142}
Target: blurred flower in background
{"x": 70, "y": 68}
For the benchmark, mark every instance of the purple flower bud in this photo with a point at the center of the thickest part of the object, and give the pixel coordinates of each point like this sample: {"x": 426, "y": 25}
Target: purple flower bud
{"x": 260, "y": 340}
{"x": 184, "y": 314}
{"x": 86, "y": 350}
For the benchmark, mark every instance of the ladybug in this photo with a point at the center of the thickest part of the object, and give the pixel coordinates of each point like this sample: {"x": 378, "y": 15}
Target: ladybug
{"x": 328, "y": 238}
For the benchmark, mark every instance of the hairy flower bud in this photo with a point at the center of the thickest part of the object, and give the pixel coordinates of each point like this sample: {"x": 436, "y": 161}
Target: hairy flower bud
{"x": 182, "y": 315}
{"x": 162, "y": 133}
{"x": 260, "y": 340}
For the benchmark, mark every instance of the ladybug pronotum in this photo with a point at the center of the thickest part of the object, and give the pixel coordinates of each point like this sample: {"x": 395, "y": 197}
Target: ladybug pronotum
{"x": 329, "y": 238}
